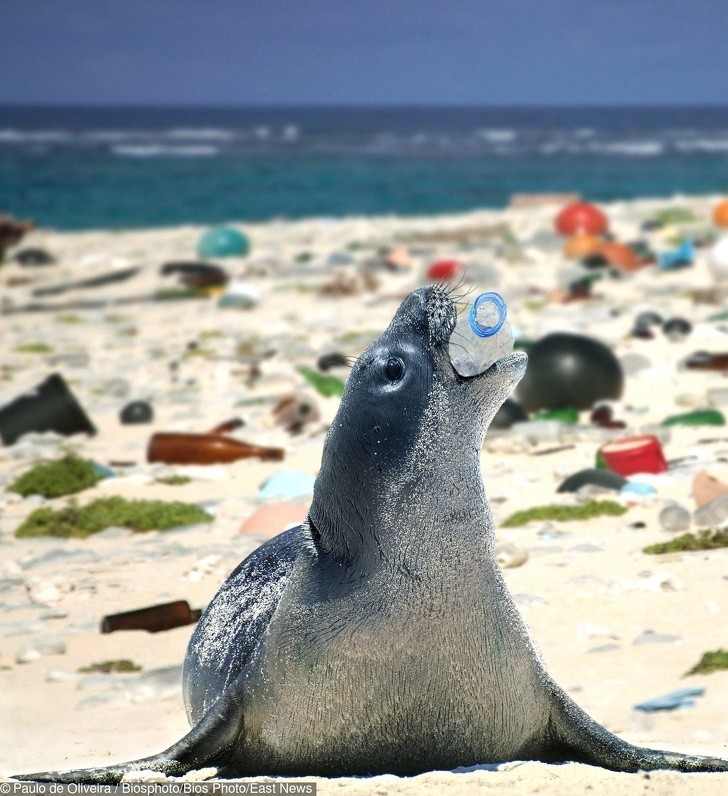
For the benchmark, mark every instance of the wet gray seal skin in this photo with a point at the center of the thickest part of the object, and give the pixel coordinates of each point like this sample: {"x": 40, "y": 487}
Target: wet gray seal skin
{"x": 380, "y": 636}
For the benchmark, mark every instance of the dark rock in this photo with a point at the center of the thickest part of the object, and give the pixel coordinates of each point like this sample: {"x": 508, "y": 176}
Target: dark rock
{"x": 33, "y": 256}
{"x": 136, "y": 412}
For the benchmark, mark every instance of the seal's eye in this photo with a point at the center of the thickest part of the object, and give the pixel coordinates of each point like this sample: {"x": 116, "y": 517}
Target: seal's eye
{"x": 394, "y": 369}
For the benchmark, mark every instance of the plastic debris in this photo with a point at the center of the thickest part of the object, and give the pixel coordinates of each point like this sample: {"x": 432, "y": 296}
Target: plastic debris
{"x": 675, "y": 699}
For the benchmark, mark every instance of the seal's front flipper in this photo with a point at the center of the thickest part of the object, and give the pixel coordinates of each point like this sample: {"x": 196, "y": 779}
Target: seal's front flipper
{"x": 575, "y": 736}
{"x": 208, "y": 744}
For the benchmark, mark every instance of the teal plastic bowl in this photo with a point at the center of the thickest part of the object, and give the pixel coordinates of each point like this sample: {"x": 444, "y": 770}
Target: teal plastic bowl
{"x": 223, "y": 242}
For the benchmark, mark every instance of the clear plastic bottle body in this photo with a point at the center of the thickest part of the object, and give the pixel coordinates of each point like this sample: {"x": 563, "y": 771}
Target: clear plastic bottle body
{"x": 481, "y": 336}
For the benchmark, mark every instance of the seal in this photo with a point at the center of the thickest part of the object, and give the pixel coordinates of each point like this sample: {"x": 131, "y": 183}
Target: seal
{"x": 379, "y": 636}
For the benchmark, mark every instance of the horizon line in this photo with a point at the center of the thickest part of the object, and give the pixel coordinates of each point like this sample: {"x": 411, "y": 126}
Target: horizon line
{"x": 362, "y": 105}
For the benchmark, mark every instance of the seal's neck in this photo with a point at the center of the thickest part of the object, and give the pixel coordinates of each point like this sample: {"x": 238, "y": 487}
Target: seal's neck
{"x": 427, "y": 515}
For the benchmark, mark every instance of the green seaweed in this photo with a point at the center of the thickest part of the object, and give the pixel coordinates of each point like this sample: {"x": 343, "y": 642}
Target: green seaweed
{"x": 53, "y": 479}
{"x": 138, "y": 515}
{"x": 34, "y": 348}
{"x": 115, "y": 666}
{"x": 328, "y": 386}
{"x": 69, "y": 318}
{"x": 705, "y": 540}
{"x": 558, "y": 513}
{"x": 710, "y": 662}
{"x": 174, "y": 480}
{"x": 675, "y": 215}
{"x": 173, "y": 294}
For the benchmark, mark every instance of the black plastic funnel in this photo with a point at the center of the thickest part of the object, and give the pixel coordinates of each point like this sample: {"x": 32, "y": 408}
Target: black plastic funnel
{"x": 50, "y": 406}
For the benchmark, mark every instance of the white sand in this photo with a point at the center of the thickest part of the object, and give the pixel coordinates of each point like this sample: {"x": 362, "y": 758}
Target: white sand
{"x": 587, "y": 595}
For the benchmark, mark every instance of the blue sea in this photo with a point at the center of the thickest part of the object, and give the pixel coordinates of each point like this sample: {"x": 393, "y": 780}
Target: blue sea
{"x": 85, "y": 168}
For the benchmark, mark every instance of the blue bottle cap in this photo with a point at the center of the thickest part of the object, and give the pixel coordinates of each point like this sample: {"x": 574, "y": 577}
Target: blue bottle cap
{"x": 500, "y": 305}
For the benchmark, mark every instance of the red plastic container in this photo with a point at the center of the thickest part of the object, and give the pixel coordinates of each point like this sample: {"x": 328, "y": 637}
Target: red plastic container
{"x": 443, "y": 270}
{"x": 629, "y": 455}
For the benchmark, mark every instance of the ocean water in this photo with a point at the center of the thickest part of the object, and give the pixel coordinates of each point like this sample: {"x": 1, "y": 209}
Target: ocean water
{"x": 85, "y": 168}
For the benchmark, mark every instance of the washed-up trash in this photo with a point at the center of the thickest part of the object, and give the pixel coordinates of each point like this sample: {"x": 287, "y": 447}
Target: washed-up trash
{"x": 639, "y": 454}
{"x": 153, "y": 619}
{"x": 603, "y": 416}
{"x": 682, "y": 698}
{"x": 197, "y": 276}
{"x": 648, "y": 318}
{"x": 676, "y": 329}
{"x": 12, "y": 232}
{"x": 482, "y": 335}
{"x": 348, "y": 281}
{"x": 51, "y": 406}
{"x": 178, "y": 448}
{"x": 509, "y": 413}
{"x": 535, "y": 431}
{"x": 274, "y": 518}
{"x": 287, "y": 484}
{"x": 136, "y": 412}
{"x": 398, "y": 258}
{"x": 674, "y": 518}
{"x": 705, "y": 360}
{"x": 240, "y": 295}
{"x": 443, "y": 270}
{"x": 566, "y": 415}
{"x": 328, "y": 386}
{"x": 706, "y": 488}
{"x": 581, "y": 245}
{"x": 569, "y": 370}
{"x": 619, "y": 255}
{"x": 680, "y": 257}
{"x": 718, "y": 259}
{"x": 720, "y": 214}
{"x": 293, "y": 412}
{"x": 32, "y": 256}
{"x": 579, "y": 217}
{"x": 97, "y": 281}
{"x": 698, "y": 417}
{"x": 227, "y": 426}
{"x": 638, "y": 488}
{"x": 223, "y": 242}
{"x": 605, "y": 479}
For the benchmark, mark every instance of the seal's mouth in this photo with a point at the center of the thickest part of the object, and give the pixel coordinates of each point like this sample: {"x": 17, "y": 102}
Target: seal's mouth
{"x": 441, "y": 320}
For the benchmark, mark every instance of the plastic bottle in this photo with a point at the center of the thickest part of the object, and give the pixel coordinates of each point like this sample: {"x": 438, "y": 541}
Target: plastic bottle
{"x": 481, "y": 336}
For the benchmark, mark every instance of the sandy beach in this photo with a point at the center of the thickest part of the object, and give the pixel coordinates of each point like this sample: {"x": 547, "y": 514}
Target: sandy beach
{"x": 615, "y": 626}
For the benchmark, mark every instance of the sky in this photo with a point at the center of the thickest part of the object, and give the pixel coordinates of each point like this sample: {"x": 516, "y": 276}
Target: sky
{"x": 462, "y": 52}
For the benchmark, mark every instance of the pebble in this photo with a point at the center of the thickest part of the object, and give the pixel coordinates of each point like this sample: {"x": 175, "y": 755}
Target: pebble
{"x": 650, "y": 637}
{"x": 674, "y": 518}
{"x": 39, "y": 648}
{"x": 151, "y": 686}
{"x": 509, "y": 556}
{"x": 57, "y": 675}
{"x": 46, "y": 591}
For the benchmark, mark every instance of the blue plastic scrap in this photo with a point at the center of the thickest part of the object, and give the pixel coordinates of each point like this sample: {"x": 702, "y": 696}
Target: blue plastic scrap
{"x": 675, "y": 699}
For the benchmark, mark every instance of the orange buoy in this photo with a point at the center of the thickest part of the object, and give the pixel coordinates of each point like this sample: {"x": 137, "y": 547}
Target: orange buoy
{"x": 720, "y": 214}
{"x": 580, "y": 245}
{"x": 581, "y": 217}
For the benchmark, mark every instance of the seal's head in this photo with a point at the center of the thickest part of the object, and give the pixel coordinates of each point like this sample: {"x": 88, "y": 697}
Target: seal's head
{"x": 406, "y": 417}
